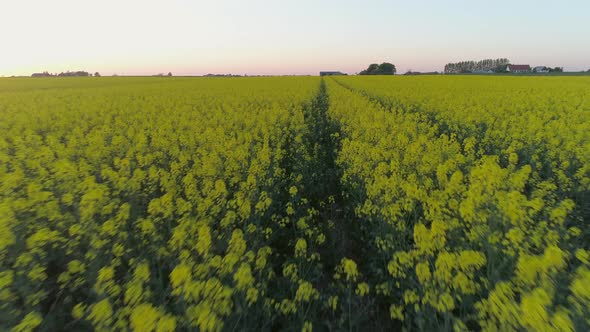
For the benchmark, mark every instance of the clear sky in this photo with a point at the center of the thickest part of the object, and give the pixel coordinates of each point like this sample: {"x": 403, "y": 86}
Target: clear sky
{"x": 286, "y": 36}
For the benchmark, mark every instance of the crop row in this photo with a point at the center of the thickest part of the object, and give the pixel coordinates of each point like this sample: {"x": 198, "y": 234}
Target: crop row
{"x": 471, "y": 210}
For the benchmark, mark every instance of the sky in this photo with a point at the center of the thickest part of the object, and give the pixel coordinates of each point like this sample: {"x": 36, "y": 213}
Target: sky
{"x": 196, "y": 37}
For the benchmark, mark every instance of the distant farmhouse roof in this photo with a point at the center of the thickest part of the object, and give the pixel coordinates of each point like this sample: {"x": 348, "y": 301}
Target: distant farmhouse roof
{"x": 483, "y": 71}
{"x": 519, "y": 68}
{"x": 331, "y": 73}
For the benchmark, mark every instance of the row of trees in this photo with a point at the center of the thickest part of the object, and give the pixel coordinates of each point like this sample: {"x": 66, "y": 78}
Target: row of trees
{"x": 496, "y": 65}
{"x": 79, "y": 73}
{"x": 74, "y": 73}
{"x": 68, "y": 73}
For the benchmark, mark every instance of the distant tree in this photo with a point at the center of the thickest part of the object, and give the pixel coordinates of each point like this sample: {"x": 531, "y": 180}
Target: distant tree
{"x": 501, "y": 69}
{"x": 169, "y": 73}
{"x": 370, "y": 70}
{"x": 97, "y": 74}
{"x": 556, "y": 70}
{"x": 385, "y": 68}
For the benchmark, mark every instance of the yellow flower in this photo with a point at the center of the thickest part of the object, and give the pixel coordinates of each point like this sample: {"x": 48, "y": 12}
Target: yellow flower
{"x": 29, "y": 323}
{"x": 202, "y": 316}
{"x": 179, "y": 277}
{"x": 307, "y": 327}
{"x": 300, "y": 248}
{"x": 144, "y": 318}
{"x": 290, "y": 271}
{"x": 396, "y": 312}
{"x": 306, "y": 292}
{"x": 243, "y": 277}
{"x": 203, "y": 239}
{"x": 37, "y": 274}
{"x": 349, "y": 268}
{"x": 533, "y": 308}
{"x": 166, "y": 323}
{"x": 321, "y": 238}
{"x": 362, "y": 289}
{"x": 101, "y": 313}
{"x": 423, "y": 273}
{"x": 251, "y": 295}
{"x": 287, "y": 307}
{"x": 561, "y": 321}
{"x": 78, "y": 311}
{"x": 333, "y": 302}
{"x": 261, "y": 257}
{"x": 445, "y": 303}
{"x": 237, "y": 245}
{"x": 142, "y": 272}
{"x": 410, "y": 297}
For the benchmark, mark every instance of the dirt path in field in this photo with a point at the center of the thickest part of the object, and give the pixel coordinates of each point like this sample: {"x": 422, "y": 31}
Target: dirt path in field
{"x": 324, "y": 188}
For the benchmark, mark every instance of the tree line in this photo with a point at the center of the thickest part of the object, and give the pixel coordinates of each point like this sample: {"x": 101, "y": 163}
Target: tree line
{"x": 496, "y": 65}
{"x": 79, "y": 73}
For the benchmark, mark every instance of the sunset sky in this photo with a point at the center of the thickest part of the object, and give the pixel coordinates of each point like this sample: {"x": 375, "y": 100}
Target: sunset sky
{"x": 194, "y": 37}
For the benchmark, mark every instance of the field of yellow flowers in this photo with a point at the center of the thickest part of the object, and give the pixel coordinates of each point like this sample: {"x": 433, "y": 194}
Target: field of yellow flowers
{"x": 447, "y": 203}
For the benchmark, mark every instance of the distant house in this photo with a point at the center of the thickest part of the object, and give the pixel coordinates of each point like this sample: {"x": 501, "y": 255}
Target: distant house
{"x": 518, "y": 68}
{"x": 331, "y": 73}
{"x": 409, "y": 72}
{"x": 483, "y": 71}
{"x": 217, "y": 75}
{"x": 541, "y": 69}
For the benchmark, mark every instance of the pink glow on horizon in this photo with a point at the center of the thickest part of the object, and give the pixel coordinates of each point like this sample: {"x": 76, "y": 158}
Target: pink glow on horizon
{"x": 146, "y": 37}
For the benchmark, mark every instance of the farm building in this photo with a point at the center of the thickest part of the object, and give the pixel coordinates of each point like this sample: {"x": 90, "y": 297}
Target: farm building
{"x": 541, "y": 69}
{"x": 518, "y": 68}
{"x": 331, "y": 73}
{"x": 43, "y": 74}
